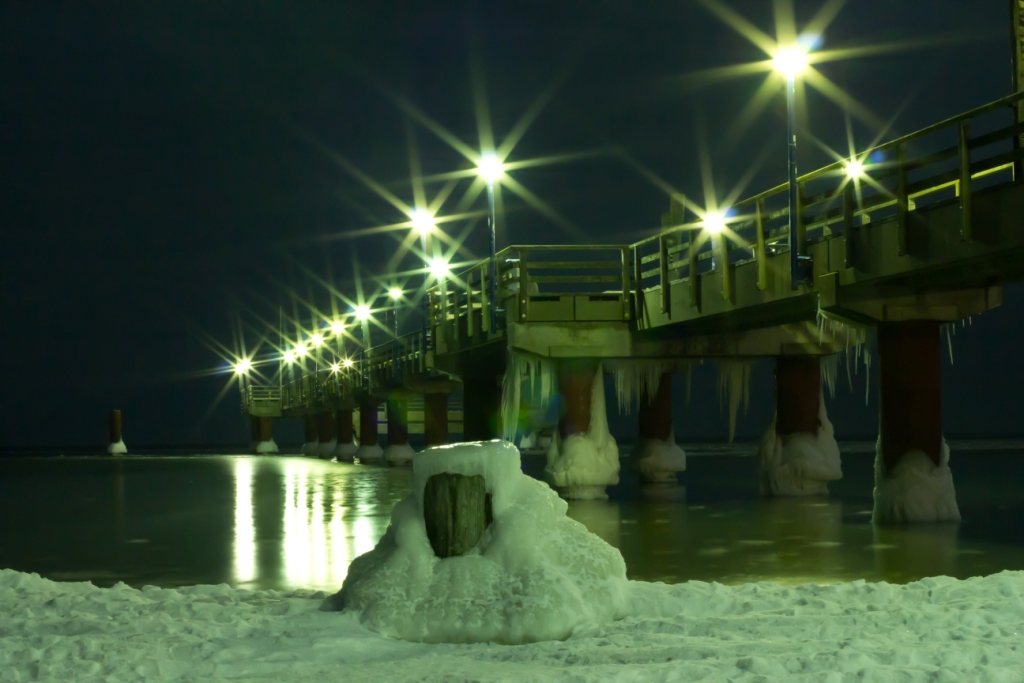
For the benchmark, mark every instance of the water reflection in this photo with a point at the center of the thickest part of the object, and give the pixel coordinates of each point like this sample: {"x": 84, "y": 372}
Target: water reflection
{"x": 244, "y": 556}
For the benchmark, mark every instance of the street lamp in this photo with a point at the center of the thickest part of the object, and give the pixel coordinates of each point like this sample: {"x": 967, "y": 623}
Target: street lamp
{"x": 422, "y": 222}
{"x": 791, "y": 62}
{"x": 338, "y": 328}
{"x": 491, "y": 170}
{"x": 243, "y": 366}
{"x": 854, "y": 169}
{"x": 348, "y": 362}
{"x": 438, "y": 268}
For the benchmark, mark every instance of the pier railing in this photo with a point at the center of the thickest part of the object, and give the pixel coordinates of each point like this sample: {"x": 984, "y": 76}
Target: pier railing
{"x": 947, "y": 161}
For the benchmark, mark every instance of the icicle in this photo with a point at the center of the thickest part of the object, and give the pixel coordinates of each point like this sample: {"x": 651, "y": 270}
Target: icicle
{"x": 829, "y": 372}
{"x": 539, "y": 371}
{"x": 638, "y": 379}
{"x": 949, "y": 341}
{"x": 734, "y": 384}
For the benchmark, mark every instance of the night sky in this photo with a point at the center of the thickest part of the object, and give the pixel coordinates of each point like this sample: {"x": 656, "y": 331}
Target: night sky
{"x": 164, "y": 169}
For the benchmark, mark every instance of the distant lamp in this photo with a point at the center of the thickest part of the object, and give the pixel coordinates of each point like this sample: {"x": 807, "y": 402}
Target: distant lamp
{"x": 490, "y": 167}
{"x": 300, "y": 350}
{"x": 854, "y": 169}
{"x": 714, "y": 222}
{"x": 347, "y": 362}
{"x": 335, "y": 368}
{"x": 243, "y": 366}
{"x": 337, "y": 327}
{"x": 289, "y": 356}
{"x": 363, "y": 312}
{"x": 317, "y": 339}
{"x": 422, "y": 222}
{"x": 790, "y": 61}
{"x": 439, "y": 268}
{"x": 395, "y": 293}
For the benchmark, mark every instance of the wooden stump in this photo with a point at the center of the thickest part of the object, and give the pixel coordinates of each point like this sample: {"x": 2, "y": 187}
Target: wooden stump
{"x": 457, "y": 510}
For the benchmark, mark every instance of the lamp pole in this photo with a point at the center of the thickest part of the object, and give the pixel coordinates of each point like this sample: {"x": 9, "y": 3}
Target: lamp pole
{"x": 492, "y": 268}
{"x": 794, "y": 241}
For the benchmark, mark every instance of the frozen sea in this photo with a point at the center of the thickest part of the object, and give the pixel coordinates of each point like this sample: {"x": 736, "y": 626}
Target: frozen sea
{"x": 238, "y": 551}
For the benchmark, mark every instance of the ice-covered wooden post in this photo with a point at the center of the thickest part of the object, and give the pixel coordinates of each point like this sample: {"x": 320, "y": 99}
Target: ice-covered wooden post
{"x": 456, "y": 511}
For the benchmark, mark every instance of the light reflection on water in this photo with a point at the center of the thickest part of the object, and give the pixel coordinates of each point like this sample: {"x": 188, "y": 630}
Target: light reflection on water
{"x": 291, "y": 522}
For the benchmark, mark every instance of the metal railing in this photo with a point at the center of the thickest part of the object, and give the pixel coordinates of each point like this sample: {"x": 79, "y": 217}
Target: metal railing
{"x": 261, "y": 397}
{"x": 943, "y": 161}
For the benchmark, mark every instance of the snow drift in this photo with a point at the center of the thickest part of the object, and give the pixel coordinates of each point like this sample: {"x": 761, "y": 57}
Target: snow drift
{"x": 266, "y": 447}
{"x": 117, "y": 448}
{"x": 800, "y": 464}
{"x": 916, "y": 490}
{"x": 325, "y": 449}
{"x": 399, "y": 454}
{"x": 534, "y": 575}
{"x": 582, "y": 465}
{"x": 658, "y": 461}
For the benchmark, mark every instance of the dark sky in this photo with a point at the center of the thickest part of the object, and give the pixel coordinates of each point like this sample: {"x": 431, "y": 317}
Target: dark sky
{"x": 160, "y": 172}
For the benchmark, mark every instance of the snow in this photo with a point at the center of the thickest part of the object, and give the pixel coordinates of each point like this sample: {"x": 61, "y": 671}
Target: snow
{"x": 369, "y": 453}
{"x": 658, "y": 461}
{"x": 916, "y": 490}
{"x": 582, "y": 465}
{"x": 266, "y": 446}
{"x": 801, "y": 464}
{"x": 398, "y": 454}
{"x": 117, "y": 448}
{"x": 310, "y": 448}
{"x": 534, "y": 575}
{"x": 937, "y": 629}
{"x": 345, "y": 452}
{"x": 325, "y": 449}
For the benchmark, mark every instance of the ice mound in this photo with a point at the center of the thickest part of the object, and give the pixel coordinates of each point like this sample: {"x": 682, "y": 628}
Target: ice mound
{"x": 399, "y": 454}
{"x": 325, "y": 449}
{"x": 801, "y": 464}
{"x": 658, "y": 461}
{"x": 582, "y": 465}
{"x": 310, "y": 448}
{"x": 117, "y": 448}
{"x": 916, "y": 490}
{"x": 534, "y": 575}
{"x": 368, "y": 453}
{"x": 266, "y": 447}
{"x": 346, "y": 452}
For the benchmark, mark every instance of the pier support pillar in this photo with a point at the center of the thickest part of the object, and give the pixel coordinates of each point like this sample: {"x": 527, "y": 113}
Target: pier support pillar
{"x": 912, "y": 477}
{"x": 369, "y": 450}
{"x": 798, "y": 453}
{"x": 481, "y": 402}
{"x": 326, "y": 435}
{"x": 584, "y": 457}
{"x": 398, "y": 452}
{"x": 435, "y": 419}
{"x": 656, "y": 457}
{"x": 254, "y": 433}
{"x": 264, "y": 435}
{"x": 346, "y": 448}
{"x": 311, "y": 444}
{"x": 116, "y": 446}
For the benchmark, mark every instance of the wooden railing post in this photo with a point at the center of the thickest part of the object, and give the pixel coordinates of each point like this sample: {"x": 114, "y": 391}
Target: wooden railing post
{"x": 902, "y": 206}
{"x": 848, "y": 224}
{"x": 470, "y": 324}
{"x": 485, "y": 304}
{"x": 638, "y": 285}
{"x": 964, "y": 149}
{"x": 626, "y": 289}
{"x": 762, "y": 259}
{"x": 723, "y": 255}
{"x": 664, "y": 243}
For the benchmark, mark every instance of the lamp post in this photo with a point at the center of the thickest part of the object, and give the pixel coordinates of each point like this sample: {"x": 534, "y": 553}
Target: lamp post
{"x": 790, "y": 62}
{"x": 491, "y": 169}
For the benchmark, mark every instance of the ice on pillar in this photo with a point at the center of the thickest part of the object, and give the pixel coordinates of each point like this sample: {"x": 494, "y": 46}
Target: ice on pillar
{"x": 116, "y": 446}
{"x": 533, "y": 575}
{"x": 798, "y": 454}
{"x": 369, "y": 450}
{"x": 656, "y": 457}
{"x": 266, "y": 437}
{"x": 583, "y": 458}
{"x": 311, "y": 443}
{"x": 398, "y": 452}
{"x": 346, "y": 449}
{"x": 913, "y": 482}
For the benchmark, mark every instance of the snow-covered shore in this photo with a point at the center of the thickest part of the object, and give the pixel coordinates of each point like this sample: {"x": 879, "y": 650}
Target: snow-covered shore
{"x": 934, "y": 629}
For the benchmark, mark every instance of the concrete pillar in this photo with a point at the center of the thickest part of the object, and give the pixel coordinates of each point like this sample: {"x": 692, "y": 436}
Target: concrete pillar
{"x": 346, "y": 448}
{"x": 369, "y": 450}
{"x": 398, "y": 452}
{"x": 116, "y": 446}
{"x": 264, "y": 435}
{"x": 311, "y": 444}
{"x": 797, "y": 394}
{"x": 798, "y": 454}
{"x": 481, "y": 400}
{"x": 254, "y": 432}
{"x": 435, "y": 419}
{"x": 326, "y": 436}
{"x": 584, "y": 458}
{"x": 656, "y": 457}
{"x": 912, "y": 477}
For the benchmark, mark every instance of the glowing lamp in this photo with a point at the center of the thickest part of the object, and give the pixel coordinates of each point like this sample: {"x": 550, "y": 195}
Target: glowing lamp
{"x": 714, "y": 222}
{"x": 317, "y": 339}
{"x": 243, "y": 366}
{"x": 790, "y": 61}
{"x": 347, "y": 362}
{"x": 289, "y": 356}
{"x": 854, "y": 169}
{"x": 363, "y": 312}
{"x": 335, "y": 368}
{"x": 422, "y": 222}
{"x": 337, "y": 327}
{"x": 490, "y": 167}
{"x": 300, "y": 350}
{"x": 395, "y": 293}
{"x": 439, "y": 268}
